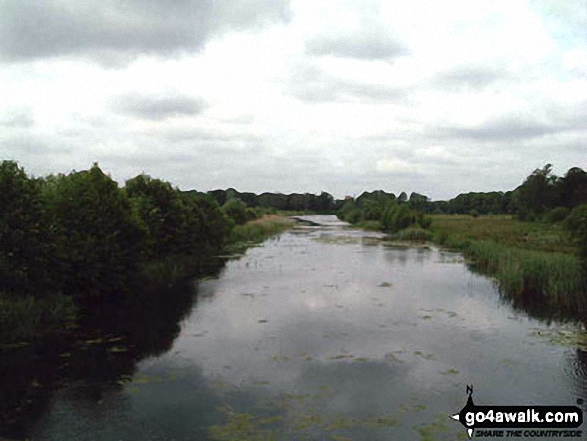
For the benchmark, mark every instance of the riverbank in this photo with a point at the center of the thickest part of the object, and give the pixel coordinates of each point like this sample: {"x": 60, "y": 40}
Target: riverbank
{"x": 255, "y": 232}
{"x": 27, "y": 318}
{"x": 535, "y": 264}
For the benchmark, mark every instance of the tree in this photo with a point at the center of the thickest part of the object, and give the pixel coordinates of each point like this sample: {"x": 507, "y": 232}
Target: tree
{"x": 573, "y": 188}
{"x": 97, "y": 238}
{"x": 23, "y": 234}
{"x": 538, "y": 193}
{"x": 236, "y": 210}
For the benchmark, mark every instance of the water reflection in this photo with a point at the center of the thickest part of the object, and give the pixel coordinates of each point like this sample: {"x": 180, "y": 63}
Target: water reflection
{"x": 93, "y": 362}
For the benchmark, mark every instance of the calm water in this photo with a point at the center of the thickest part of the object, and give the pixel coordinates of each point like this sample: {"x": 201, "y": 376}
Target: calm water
{"x": 322, "y": 333}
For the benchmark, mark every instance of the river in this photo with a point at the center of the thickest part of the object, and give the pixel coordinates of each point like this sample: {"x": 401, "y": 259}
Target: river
{"x": 321, "y": 333}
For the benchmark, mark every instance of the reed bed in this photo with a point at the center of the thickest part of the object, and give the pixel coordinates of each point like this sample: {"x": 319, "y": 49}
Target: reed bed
{"x": 24, "y": 318}
{"x": 534, "y": 264}
{"x": 255, "y": 232}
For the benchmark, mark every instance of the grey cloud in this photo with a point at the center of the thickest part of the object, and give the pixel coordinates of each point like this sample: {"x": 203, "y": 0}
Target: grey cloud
{"x": 19, "y": 120}
{"x": 504, "y": 129}
{"x": 469, "y": 78}
{"x": 15, "y": 147}
{"x": 195, "y": 135}
{"x": 117, "y": 30}
{"x": 313, "y": 85}
{"x": 370, "y": 45}
{"x": 158, "y": 107}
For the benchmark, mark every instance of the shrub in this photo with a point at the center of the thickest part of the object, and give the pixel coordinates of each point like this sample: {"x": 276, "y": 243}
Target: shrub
{"x": 576, "y": 224}
{"x": 23, "y": 233}
{"x": 557, "y": 214}
{"x": 236, "y": 210}
{"x": 426, "y": 222}
{"x": 97, "y": 238}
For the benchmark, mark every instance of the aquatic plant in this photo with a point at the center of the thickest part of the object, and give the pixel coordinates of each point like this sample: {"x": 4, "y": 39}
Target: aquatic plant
{"x": 25, "y": 318}
{"x": 256, "y": 231}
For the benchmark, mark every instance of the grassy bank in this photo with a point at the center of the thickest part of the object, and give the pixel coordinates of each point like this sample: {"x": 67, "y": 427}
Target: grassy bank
{"x": 25, "y": 318}
{"x": 536, "y": 265}
{"x": 256, "y": 231}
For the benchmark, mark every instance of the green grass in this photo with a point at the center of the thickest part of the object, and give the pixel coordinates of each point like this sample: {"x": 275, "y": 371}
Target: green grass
{"x": 25, "y": 318}
{"x": 369, "y": 225}
{"x": 412, "y": 234}
{"x": 536, "y": 265}
{"x": 255, "y": 232}
{"x": 505, "y": 230}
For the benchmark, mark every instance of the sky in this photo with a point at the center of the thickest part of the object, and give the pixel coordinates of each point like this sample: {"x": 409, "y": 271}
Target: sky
{"x": 343, "y": 96}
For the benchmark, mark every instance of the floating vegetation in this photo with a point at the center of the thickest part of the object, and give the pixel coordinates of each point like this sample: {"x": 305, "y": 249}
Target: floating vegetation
{"x": 294, "y": 424}
{"x": 439, "y": 429}
{"x": 244, "y": 427}
{"x": 508, "y": 363}
{"x": 424, "y": 356}
{"x": 390, "y": 356}
{"x": 332, "y": 239}
{"x": 450, "y": 372}
{"x": 146, "y": 379}
{"x": 384, "y": 284}
{"x": 568, "y": 337}
{"x": 116, "y": 349}
{"x": 435, "y": 312}
{"x": 341, "y": 357}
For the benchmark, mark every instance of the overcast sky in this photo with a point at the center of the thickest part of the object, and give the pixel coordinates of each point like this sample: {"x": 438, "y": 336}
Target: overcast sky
{"x": 437, "y": 97}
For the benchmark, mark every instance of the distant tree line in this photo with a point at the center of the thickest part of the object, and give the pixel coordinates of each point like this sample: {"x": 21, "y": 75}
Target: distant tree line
{"x": 538, "y": 195}
{"x": 385, "y": 211}
{"x": 322, "y": 203}
{"x": 82, "y": 235}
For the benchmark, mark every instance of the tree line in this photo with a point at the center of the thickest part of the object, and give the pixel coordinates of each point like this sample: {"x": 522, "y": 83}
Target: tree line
{"x": 82, "y": 235}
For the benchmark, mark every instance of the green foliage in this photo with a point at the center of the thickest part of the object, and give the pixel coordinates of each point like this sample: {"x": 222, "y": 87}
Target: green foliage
{"x": 97, "y": 240}
{"x": 537, "y": 193}
{"x": 533, "y": 263}
{"x": 23, "y": 233}
{"x": 256, "y": 231}
{"x": 370, "y": 225}
{"x": 236, "y": 210}
{"x": 544, "y": 279}
{"x": 425, "y": 222}
{"x": 576, "y": 224}
{"x": 397, "y": 217}
{"x": 557, "y": 214}
{"x": 474, "y": 213}
{"x": 251, "y": 214}
{"x": 26, "y": 317}
{"x": 412, "y": 234}
{"x": 176, "y": 223}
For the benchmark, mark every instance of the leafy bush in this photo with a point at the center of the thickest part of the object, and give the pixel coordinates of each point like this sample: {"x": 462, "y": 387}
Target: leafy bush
{"x": 576, "y": 224}
{"x": 425, "y": 222}
{"x": 397, "y": 217}
{"x": 23, "y": 232}
{"x": 557, "y": 214}
{"x": 97, "y": 240}
{"x": 236, "y": 210}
